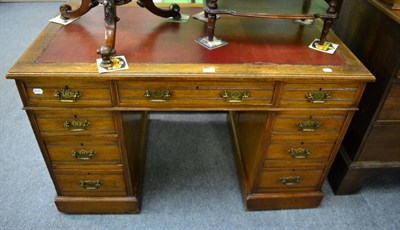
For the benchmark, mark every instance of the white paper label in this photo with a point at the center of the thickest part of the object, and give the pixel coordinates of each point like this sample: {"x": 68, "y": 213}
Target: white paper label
{"x": 118, "y": 63}
{"x": 61, "y": 21}
{"x": 209, "y": 70}
{"x": 327, "y": 70}
{"x": 37, "y": 91}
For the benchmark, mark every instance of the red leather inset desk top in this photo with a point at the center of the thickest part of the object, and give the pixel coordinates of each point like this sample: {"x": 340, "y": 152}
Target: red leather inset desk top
{"x": 145, "y": 38}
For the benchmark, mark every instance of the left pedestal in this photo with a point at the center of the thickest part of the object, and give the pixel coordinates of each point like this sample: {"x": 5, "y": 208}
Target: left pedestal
{"x": 94, "y": 154}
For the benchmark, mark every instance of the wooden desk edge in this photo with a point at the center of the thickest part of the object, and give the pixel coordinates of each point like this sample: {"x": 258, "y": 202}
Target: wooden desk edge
{"x": 27, "y": 66}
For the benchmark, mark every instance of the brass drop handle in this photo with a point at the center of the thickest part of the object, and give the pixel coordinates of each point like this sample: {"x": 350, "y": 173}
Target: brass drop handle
{"x": 67, "y": 95}
{"x": 308, "y": 126}
{"x": 234, "y": 96}
{"x": 318, "y": 97}
{"x": 90, "y": 184}
{"x": 157, "y": 95}
{"x": 299, "y": 153}
{"x": 83, "y": 154}
{"x": 290, "y": 180}
{"x": 76, "y": 125}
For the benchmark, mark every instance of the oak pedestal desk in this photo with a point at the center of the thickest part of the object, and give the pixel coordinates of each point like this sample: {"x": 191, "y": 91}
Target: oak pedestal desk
{"x": 289, "y": 106}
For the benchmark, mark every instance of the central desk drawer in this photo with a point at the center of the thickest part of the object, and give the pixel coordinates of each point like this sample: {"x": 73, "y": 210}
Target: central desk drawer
{"x": 75, "y": 122}
{"x": 195, "y": 94}
{"x": 68, "y": 93}
{"x": 319, "y": 95}
{"x": 83, "y": 150}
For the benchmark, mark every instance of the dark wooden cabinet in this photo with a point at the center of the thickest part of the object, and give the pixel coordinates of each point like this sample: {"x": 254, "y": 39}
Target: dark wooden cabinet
{"x": 372, "y": 144}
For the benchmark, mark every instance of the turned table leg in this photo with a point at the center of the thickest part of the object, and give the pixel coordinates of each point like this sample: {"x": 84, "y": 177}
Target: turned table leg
{"x": 173, "y": 10}
{"x": 111, "y": 20}
{"x": 332, "y": 10}
{"x": 211, "y": 26}
{"x": 325, "y": 31}
{"x": 211, "y": 20}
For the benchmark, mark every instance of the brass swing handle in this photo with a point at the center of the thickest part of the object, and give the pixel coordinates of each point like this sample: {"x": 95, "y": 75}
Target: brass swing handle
{"x": 318, "y": 97}
{"x": 157, "y": 95}
{"x": 90, "y": 184}
{"x": 76, "y": 125}
{"x": 67, "y": 95}
{"x": 299, "y": 153}
{"x": 83, "y": 154}
{"x": 234, "y": 96}
{"x": 290, "y": 180}
{"x": 308, "y": 126}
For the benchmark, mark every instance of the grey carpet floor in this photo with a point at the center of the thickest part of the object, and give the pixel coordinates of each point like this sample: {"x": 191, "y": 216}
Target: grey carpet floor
{"x": 174, "y": 195}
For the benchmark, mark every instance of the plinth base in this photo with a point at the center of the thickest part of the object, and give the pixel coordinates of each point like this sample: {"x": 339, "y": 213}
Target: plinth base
{"x": 97, "y": 205}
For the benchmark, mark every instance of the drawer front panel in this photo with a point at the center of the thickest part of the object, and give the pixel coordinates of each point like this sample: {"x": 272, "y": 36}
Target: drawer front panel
{"x": 290, "y": 179}
{"x": 91, "y": 184}
{"x": 194, "y": 94}
{"x": 68, "y": 93}
{"x": 299, "y": 151}
{"x": 319, "y": 95}
{"x": 75, "y": 122}
{"x": 83, "y": 150}
{"x": 391, "y": 107}
{"x": 308, "y": 126}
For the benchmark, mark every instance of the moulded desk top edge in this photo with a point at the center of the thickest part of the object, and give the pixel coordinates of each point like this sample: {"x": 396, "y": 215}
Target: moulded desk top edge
{"x": 27, "y": 66}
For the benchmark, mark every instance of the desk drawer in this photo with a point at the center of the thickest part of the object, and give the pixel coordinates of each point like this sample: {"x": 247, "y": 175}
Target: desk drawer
{"x": 68, "y": 93}
{"x": 90, "y": 181}
{"x": 83, "y": 150}
{"x": 319, "y": 95}
{"x": 75, "y": 122}
{"x": 310, "y": 125}
{"x": 299, "y": 151}
{"x": 195, "y": 94}
{"x": 290, "y": 179}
